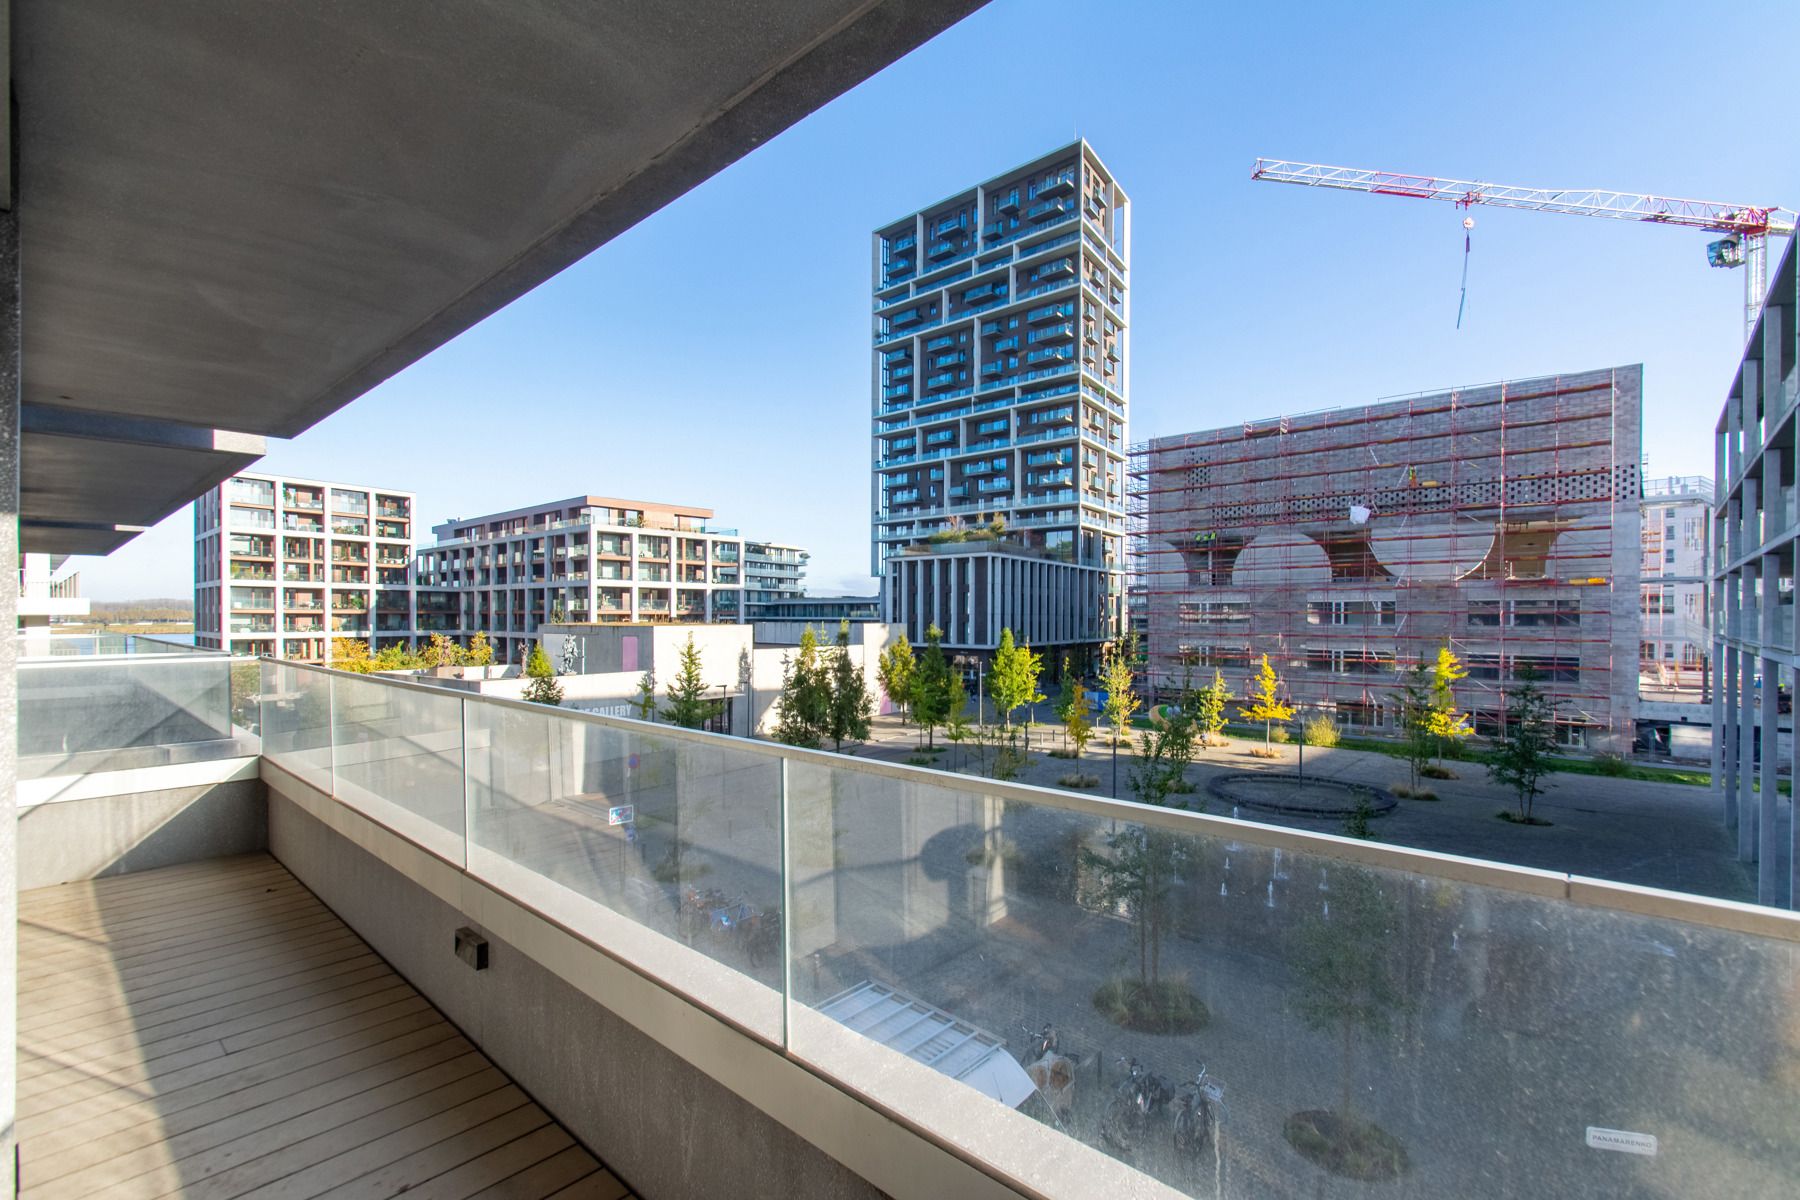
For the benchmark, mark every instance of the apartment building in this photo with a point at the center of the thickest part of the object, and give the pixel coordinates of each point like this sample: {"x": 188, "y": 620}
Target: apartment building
{"x": 999, "y": 404}
{"x": 284, "y": 565}
{"x": 772, "y": 573}
{"x": 1674, "y": 643}
{"x": 1500, "y": 520}
{"x": 585, "y": 558}
{"x": 1754, "y": 546}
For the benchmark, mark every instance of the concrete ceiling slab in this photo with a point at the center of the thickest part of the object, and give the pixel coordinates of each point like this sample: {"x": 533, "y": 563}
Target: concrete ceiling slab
{"x": 89, "y": 479}
{"x": 60, "y": 539}
{"x": 244, "y": 216}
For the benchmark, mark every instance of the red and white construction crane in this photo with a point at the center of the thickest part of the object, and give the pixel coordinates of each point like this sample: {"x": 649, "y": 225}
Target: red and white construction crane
{"x": 1746, "y": 226}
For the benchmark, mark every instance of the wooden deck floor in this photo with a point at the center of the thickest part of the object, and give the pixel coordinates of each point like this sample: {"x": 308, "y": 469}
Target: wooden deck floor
{"x": 212, "y": 1030}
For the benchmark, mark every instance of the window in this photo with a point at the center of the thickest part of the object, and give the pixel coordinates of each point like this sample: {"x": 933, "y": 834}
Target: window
{"x": 1541, "y": 614}
{"x": 1552, "y": 668}
{"x": 1350, "y": 612}
{"x": 1350, "y": 662}
{"x": 1212, "y": 611}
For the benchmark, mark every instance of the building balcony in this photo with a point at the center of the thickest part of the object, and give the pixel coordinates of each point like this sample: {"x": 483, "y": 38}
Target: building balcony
{"x": 866, "y": 897}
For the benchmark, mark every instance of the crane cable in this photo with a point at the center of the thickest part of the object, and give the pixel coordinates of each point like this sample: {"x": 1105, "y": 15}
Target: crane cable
{"x": 1468, "y": 224}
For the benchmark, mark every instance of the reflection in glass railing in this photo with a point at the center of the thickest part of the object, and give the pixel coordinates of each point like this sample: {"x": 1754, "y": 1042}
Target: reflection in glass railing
{"x": 1236, "y": 1010}
{"x": 152, "y": 705}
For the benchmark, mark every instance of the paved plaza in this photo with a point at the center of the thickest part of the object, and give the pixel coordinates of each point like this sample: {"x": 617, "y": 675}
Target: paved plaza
{"x": 1666, "y": 835}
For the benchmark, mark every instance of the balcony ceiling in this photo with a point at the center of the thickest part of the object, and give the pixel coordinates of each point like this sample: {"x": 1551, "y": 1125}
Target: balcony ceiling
{"x": 242, "y": 217}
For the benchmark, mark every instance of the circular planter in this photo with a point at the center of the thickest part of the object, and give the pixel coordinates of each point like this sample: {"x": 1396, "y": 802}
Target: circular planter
{"x": 1346, "y": 1146}
{"x": 1168, "y": 1006}
{"x": 1308, "y": 797}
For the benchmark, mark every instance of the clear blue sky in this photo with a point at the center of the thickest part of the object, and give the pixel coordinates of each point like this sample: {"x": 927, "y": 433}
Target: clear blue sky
{"x": 719, "y": 352}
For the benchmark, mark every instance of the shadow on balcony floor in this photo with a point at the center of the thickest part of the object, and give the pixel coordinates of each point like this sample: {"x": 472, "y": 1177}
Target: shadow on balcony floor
{"x": 214, "y": 1030}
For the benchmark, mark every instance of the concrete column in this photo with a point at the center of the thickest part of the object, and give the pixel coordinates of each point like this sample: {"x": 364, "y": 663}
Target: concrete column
{"x": 1734, "y": 441}
{"x": 1726, "y": 732}
{"x": 1719, "y": 739}
{"x": 1750, "y": 514}
{"x": 1792, "y": 882}
{"x": 9, "y": 686}
{"x": 1771, "y": 739}
{"x": 1746, "y": 830}
{"x": 1750, "y": 396}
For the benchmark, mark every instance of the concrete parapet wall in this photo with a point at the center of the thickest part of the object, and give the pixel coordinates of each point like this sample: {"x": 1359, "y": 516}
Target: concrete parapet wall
{"x": 99, "y": 831}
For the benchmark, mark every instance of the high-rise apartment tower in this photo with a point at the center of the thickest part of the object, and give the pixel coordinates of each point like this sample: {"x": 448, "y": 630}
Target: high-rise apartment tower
{"x": 999, "y": 407}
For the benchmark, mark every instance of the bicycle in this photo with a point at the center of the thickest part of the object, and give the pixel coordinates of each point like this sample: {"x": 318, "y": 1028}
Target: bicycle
{"x": 1197, "y": 1115}
{"x": 1138, "y": 1098}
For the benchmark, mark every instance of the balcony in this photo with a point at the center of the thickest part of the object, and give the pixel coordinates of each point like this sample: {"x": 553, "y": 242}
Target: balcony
{"x": 219, "y": 916}
{"x": 963, "y": 902}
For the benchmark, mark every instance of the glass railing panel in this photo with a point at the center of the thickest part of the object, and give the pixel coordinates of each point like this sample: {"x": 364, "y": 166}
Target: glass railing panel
{"x": 82, "y": 714}
{"x": 296, "y": 722}
{"x": 1428, "y": 1027}
{"x": 398, "y": 757}
{"x": 665, "y": 848}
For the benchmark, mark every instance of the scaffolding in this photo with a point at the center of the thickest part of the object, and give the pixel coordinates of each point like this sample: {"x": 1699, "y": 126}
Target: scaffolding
{"x": 1348, "y": 544}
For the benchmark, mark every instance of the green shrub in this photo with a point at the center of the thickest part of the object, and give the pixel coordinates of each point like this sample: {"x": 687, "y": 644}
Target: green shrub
{"x": 1611, "y": 764}
{"x": 1280, "y": 736}
{"x": 1166, "y": 1006}
{"x": 1320, "y": 730}
{"x": 1079, "y": 780}
{"x": 1433, "y": 771}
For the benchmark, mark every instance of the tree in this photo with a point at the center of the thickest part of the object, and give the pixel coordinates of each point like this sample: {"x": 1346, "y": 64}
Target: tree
{"x": 1116, "y": 659}
{"x": 1522, "y": 758}
{"x": 541, "y": 686}
{"x": 688, "y": 706}
{"x": 1264, "y": 694}
{"x": 1068, "y": 695}
{"x": 351, "y": 654}
{"x": 644, "y": 704}
{"x": 931, "y": 687}
{"x": 395, "y": 658}
{"x": 803, "y": 709}
{"x": 1209, "y": 708}
{"x": 1143, "y": 863}
{"x": 1071, "y": 708}
{"x": 1445, "y": 723}
{"x": 1416, "y": 718}
{"x": 851, "y": 707}
{"x": 1080, "y": 727}
{"x": 1345, "y": 966}
{"x": 956, "y": 710}
{"x": 440, "y": 651}
{"x": 1013, "y": 678}
{"x": 896, "y": 670}
{"x": 480, "y": 652}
